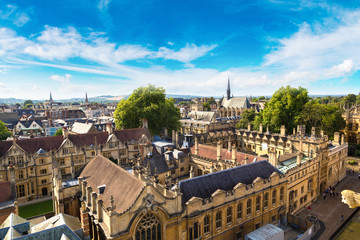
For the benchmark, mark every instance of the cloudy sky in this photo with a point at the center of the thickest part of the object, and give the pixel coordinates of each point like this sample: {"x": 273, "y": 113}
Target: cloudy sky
{"x": 188, "y": 47}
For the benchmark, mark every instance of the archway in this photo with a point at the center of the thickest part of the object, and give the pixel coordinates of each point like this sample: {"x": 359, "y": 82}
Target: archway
{"x": 44, "y": 191}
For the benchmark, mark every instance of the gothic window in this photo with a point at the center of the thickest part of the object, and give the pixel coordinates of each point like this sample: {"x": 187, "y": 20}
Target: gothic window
{"x": 218, "y": 219}
{"x": 21, "y": 174}
{"x": 194, "y": 232}
{"x": 239, "y": 211}
{"x": 149, "y": 228}
{"x": 266, "y": 200}
{"x": 274, "y": 197}
{"x": 248, "y": 207}
{"x": 258, "y": 198}
{"x": 20, "y": 190}
{"x": 229, "y": 215}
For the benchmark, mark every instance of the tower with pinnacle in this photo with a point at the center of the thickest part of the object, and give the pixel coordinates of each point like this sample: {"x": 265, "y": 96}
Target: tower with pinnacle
{"x": 228, "y": 92}
{"x": 86, "y": 99}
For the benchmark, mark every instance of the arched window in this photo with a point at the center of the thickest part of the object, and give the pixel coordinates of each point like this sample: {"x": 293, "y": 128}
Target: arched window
{"x": 149, "y": 228}
{"x": 206, "y": 224}
{"x": 218, "y": 219}
{"x": 239, "y": 211}
{"x": 281, "y": 194}
{"x": 229, "y": 215}
{"x": 273, "y": 197}
{"x": 266, "y": 200}
{"x": 248, "y": 207}
{"x": 257, "y": 206}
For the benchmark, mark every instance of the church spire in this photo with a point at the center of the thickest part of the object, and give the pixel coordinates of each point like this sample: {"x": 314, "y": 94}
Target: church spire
{"x": 51, "y": 99}
{"x": 228, "y": 92}
{"x": 86, "y": 98}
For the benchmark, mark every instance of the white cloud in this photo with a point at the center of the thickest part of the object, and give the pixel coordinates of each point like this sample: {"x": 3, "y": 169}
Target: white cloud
{"x": 103, "y": 4}
{"x": 343, "y": 69}
{"x": 11, "y": 13}
{"x": 10, "y": 43}
{"x": 170, "y": 43}
{"x": 186, "y": 54}
{"x": 21, "y": 19}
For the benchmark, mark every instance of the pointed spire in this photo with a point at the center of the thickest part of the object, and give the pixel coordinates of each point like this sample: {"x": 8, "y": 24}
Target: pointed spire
{"x": 51, "y": 99}
{"x": 86, "y": 98}
{"x": 228, "y": 91}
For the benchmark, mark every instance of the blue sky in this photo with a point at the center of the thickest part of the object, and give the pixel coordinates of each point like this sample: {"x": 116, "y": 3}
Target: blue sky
{"x": 188, "y": 47}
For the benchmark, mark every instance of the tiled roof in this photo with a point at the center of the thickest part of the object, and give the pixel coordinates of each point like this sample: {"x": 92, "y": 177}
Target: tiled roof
{"x": 88, "y": 139}
{"x": 81, "y": 128}
{"x": 204, "y": 186}
{"x": 211, "y": 152}
{"x": 4, "y": 147}
{"x": 5, "y": 190}
{"x": 240, "y": 102}
{"x": 122, "y": 185}
{"x": 132, "y": 134}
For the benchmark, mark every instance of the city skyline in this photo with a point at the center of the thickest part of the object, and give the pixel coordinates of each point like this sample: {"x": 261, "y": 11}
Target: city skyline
{"x": 110, "y": 47}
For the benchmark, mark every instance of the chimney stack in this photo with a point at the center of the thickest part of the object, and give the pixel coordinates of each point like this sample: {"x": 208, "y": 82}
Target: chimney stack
{"x": 261, "y": 128}
{"x": 299, "y": 158}
{"x": 342, "y": 138}
{"x": 336, "y": 138}
{"x": 283, "y": 130}
{"x": 173, "y": 138}
{"x": 249, "y": 127}
{"x": 313, "y": 132}
{"x": 145, "y": 123}
{"x": 196, "y": 146}
{"x": 294, "y": 131}
{"x": 65, "y": 132}
{"x": 233, "y": 153}
{"x": 218, "y": 155}
{"x": 109, "y": 128}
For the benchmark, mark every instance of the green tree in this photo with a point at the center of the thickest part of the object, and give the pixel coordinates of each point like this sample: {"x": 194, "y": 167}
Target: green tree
{"x": 206, "y": 106}
{"x": 4, "y": 131}
{"x": 283, "y": 108}
{"x": 59, "y": 132}
{"x": 350, "y": 99}
{"x": 211, "y": 101}
{"x": 247, "y": 116}
{"x": 149, "y": 103}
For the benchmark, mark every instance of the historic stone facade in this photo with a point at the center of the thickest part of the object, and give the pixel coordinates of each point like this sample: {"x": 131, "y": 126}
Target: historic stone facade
{"x": 31, "y": 161}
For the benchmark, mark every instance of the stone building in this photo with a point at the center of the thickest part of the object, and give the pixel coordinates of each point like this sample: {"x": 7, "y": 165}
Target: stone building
{"x": 30, "y": 162}
{"x": 222, "y": 205}
{"x": 352, "y": 129}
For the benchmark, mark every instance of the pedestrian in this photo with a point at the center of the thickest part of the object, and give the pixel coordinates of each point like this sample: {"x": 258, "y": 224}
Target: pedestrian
{"x": 342, "y": 217}
{"x": 331, "y": 193}
{"x": 324, "y": 195}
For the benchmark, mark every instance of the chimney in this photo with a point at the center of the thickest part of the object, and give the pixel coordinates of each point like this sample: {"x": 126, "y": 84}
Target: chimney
{"x": 176, "y": 139}
{"x": 109, "y": 128}
{"x": 299, "y": 129}
{"x": 65, "y": 132}
{"x": 85, "y": 221}
{"x": 196, "y": 146}
{"x": 299, "y": 158}
{"x": 322, "y": 133}
{"x": 342, "y": 138}
{"x": 261, "y": 128}
{"x": 218, "y": 152}
{"x": 145, "y": 123}
{"x": 313, "y": 132}
{"x": 173, "y": 138}
{"x": 12, "y": 181}
{"x": 249, "y": 127}
{"x": 229, "y": 144}
{"x": 336, "y": 138}
{"x": 272, "y": 157}
{"x": 267, "y": 129}
{"x": 165, "y": 132}
{"x": 233, "y": 153}
{"x": 294, "y": 131}
{"x": 283, "y": 130}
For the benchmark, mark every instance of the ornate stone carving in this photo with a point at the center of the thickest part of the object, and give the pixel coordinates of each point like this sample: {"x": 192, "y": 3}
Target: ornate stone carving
{"x": 351, "y": 198}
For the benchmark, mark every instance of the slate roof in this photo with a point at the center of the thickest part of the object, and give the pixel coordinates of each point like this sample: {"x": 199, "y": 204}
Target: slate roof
{"x": 88, "y": 139}
{"x": 240, "y": 102}
{"x": 132, "y": 134}
{"x": 211, "y": 152}
{"x": 122, "y": 185}
{"x": 202, "y": 115}
{"x": 13, "y": 227}
{"x": 81, "y": 128}
{"x": 204, "y": 186}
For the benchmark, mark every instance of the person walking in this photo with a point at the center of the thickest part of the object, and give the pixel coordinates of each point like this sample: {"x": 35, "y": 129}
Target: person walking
{"x": 324, "y": 195}
{"x": 342, "y": 217}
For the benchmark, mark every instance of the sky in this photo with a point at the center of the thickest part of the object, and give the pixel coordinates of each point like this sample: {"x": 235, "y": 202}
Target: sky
{"x": 111, "y": 47}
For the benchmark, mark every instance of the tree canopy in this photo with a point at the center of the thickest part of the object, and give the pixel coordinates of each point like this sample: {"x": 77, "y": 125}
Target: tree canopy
{"x": 149, "y": 103}
{"x": 350, "y": 99}
{"x": 4, "y": 131}
{"x": 59, "y": 132}
{"x": 247, "y": 116}
{"x": 283, "y": 108}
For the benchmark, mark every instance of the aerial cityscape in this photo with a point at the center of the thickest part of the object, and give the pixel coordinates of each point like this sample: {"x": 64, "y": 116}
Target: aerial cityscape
{"x": 155, "y": 120}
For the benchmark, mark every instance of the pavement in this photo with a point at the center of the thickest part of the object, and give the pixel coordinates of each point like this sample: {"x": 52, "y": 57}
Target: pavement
{"x": 329, "y": 211}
